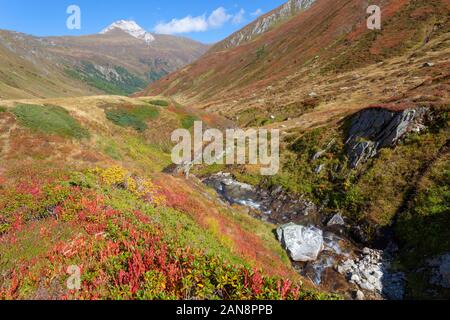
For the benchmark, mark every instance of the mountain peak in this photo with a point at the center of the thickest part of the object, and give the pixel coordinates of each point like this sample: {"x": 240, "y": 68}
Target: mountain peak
{"x": 132, "y": 28}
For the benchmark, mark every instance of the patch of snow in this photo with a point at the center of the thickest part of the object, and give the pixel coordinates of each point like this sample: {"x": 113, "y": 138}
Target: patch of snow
{"x": 132, "y": 28}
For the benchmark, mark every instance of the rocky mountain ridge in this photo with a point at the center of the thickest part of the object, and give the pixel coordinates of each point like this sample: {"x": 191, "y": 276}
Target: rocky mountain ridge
{"x": 264, "y": 23}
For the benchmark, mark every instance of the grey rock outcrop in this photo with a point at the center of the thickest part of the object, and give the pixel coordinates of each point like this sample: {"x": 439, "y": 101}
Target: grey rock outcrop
{"x": 302, "y": 243}
{"x": 376, "y": 128}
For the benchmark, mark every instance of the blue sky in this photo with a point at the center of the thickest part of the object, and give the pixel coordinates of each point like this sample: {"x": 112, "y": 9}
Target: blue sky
{"x": 203, "y": 20}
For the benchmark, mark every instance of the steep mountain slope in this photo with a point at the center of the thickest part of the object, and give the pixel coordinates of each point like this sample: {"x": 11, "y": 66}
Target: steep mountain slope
{"x": 27, "y": 72}
{"x": 117, "y": 61}
{"x": 284, "y": 65}
{"x": 264, "y": 24}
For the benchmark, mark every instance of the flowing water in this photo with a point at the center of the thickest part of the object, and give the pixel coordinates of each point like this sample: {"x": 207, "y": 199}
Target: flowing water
{"x": 342, "y": 265}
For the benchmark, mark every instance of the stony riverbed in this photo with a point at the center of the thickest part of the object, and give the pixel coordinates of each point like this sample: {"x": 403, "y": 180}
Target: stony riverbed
{"x": 320, "y": 247}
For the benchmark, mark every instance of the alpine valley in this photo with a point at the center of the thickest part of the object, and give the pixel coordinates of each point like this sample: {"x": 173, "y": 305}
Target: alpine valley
{"x": 122, "y": 59}
{"x": 360, "y": 209}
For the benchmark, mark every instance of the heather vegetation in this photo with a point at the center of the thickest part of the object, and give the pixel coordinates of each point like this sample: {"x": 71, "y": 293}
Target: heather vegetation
{"x": 380, "y": 45}
{"x": 363, "y": 185}
{"x": 134, "y": 232}
{"x": 129, "y": 244}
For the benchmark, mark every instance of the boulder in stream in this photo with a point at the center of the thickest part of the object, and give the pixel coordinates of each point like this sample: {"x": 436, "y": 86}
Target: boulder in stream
{"x": 302, "y": 243}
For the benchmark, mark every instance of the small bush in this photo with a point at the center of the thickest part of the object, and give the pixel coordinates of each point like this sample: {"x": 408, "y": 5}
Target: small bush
{"x": 2, "y": 109}
{"x": 134, "y": 117}
{"x": 160, "y": 103}
{"x": 260, "y": 52}
{"x": 50, "y": 120}
{"x": 188, "y": 121}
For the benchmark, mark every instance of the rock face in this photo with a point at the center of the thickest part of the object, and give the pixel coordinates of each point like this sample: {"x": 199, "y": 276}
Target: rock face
{"x": 376, "y": 128}
{"x": 372, "y": 273}
{"x": 302, "y": 243}
{"x": 441, "y": 271}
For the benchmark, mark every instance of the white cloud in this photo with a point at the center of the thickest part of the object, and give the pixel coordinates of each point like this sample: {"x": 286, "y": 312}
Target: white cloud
{"x": 239, "y": 17}
{"x": 217, "y": 19}
{"x": 258, "y": 12}
{"x": 185, "y": 25}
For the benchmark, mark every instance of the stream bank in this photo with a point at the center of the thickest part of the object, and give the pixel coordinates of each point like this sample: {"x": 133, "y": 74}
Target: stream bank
{"x": 320, "y": 247}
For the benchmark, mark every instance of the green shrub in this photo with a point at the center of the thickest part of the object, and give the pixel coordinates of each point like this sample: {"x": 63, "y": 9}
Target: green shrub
{"x": 188, "y": 121}
{"x": 145, "y": 113}
{"x": 160, "y": 103}
{"x": 2, "y": 109}
{"x": 50, "y": 120}
{"x": 261, "y": 52}
{"x": 134, "y": 117}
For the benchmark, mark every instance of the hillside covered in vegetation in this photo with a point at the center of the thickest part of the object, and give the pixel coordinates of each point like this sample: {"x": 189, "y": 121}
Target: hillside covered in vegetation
{"x": 81, "y": 184}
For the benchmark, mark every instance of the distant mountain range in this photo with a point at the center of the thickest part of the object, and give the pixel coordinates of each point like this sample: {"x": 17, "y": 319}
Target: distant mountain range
{"x": 121, "y": 59}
